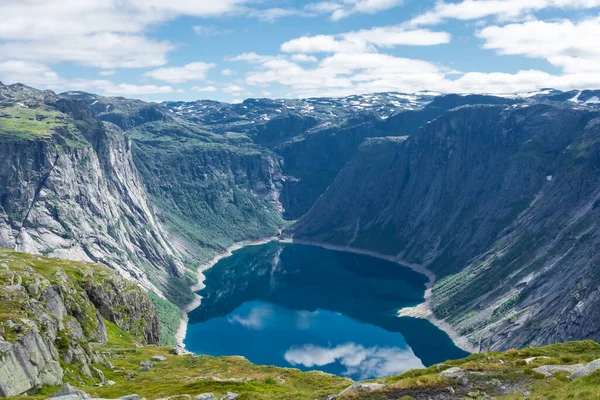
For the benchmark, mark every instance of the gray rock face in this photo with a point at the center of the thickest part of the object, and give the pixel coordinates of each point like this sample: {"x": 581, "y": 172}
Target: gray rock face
{"x": 483, "y": 196}
{"x": 362, "y": 387}
{"x": 125, "y": 308}
{"x": 68, "y": 392}
{"x": 32, "y": 361}
{"x": 549, "y": 370}
{"x": 454, "y": 372}
{"x": 230, "y": 396}
{"x": 79, "y": 195}
{"x": 54, "y": 330}
{"x": 206, "y": 396}
{"x": 4, "y": 347}
{"x": 146, "y": 365}
{"x": 586, "y": 370}
{"x": 54, "y": 303}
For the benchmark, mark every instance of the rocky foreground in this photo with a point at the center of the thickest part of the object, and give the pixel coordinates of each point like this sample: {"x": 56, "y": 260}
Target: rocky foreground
{"x": 73, "y": 331}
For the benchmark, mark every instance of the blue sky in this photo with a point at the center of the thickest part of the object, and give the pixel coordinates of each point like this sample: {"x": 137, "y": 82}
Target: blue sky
{"x": 229, "y": 50}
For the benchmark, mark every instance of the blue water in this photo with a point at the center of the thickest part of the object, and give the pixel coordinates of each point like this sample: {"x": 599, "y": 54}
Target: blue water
{"x": 306, "y": 307}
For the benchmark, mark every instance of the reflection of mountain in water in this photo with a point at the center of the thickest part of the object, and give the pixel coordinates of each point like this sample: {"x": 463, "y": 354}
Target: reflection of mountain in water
{"x": 304, "y": 279}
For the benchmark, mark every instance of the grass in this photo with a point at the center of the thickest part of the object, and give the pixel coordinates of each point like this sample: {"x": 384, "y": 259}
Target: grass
{"x": 30, "y": 122}
{"x": 169, "y": 316}
{"x": 192, "y": 375}
{"x": 508, "y": 369}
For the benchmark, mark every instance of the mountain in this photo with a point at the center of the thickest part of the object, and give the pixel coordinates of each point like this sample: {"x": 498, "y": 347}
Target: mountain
{"x": 496, "y": 195}
{"x": 461, "y": 183}
{"x": 69, "y": 188}
{"x": 500, "y": 202}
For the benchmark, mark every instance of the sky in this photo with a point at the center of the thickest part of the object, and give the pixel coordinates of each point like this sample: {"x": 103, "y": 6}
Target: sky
{"x": 229, "y": 50}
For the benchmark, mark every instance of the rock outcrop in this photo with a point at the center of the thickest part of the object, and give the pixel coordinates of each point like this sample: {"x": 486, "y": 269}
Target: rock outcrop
{"x": 53, "y": 311}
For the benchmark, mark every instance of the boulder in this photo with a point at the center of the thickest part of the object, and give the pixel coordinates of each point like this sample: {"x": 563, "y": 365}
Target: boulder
{"x": 586, "y": 370}
{"x": 158, "y": 358}
{"x": 230, "y": 396}
{"x": 178, "y": 350}
{"x": 54, "y": 303}
{"x": 549, "y": 370}
{"x": 99, "y": 374}
{"x": 206, "y": 396}
{"x": 363, "y": 388}
{"x": 30, "y": 362}
{"x": 146, "y": 365}
{"x": 4, "y": 347}
{"x": 68, "y": 392}
{"x": 453, "y": 373}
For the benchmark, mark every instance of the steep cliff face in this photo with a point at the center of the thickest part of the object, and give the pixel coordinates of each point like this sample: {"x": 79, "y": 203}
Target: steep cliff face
{"x": 212, "y": 189}
{"x": 499, "y": 202}
{"x": 52, "y": 315}
{"x": 315, "y": 149}
{"x": 69, "y": 189}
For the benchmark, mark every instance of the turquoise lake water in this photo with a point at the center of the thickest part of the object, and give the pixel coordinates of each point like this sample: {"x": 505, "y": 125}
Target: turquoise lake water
{"x": 305, "y": 307}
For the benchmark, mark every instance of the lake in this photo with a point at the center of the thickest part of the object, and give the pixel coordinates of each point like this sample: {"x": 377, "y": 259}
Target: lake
{"x": 306, "y": 307}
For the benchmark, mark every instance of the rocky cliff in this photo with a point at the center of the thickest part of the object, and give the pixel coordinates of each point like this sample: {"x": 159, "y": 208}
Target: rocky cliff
{"x": 69, "y": 189}
{"x": 54, "y": 313}
{"x": 499, "y": 201}
{"x": 212, "y": 188}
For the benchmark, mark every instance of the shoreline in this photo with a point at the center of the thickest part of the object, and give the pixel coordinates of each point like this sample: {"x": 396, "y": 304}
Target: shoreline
{"x": 191, "y": 306}
{"x": 421, "y": 311}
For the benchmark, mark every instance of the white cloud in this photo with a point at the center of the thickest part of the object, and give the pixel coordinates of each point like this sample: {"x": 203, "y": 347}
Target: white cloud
{"x": 364, "y": 40}
{"x": 204, "y": 89}
{"x": 342, "y": 74}
{"x": 99, "y": 33}
{"x": 34, "y": 74}
{"x": 345, "y": 8}
{"x": 202, "y": 30}
{"x": 272, "y": 14}
{"x": 102, "y": 50}
{"x": 348, "y": 73}
{"x": 227, "y": 72}
{"x": 235, "y": 90}
{"x": 191, "y": 72}
{"x": 358, "y": 360}
{"x": 252, "y": 58}
{"x": 108, "y": 72}
{"x": 316, "y": 44}
{"x": 304, "y": 58}
{"x": 503, "y": 9}
{"x": 573, "y": 47}
{"x": 41, "y": 76}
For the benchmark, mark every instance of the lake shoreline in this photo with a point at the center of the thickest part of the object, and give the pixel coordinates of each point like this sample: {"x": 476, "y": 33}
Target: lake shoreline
{"x": 421, "y": 311}
{"x": 191, "y": 306}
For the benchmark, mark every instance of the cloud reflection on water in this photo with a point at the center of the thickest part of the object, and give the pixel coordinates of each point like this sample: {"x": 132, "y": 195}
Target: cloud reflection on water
{"x": 256, "y": 318}
{"x": 357, "y": 359}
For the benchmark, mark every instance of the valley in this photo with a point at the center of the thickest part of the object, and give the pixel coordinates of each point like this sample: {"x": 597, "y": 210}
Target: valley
{"x": 494, "y": 198}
